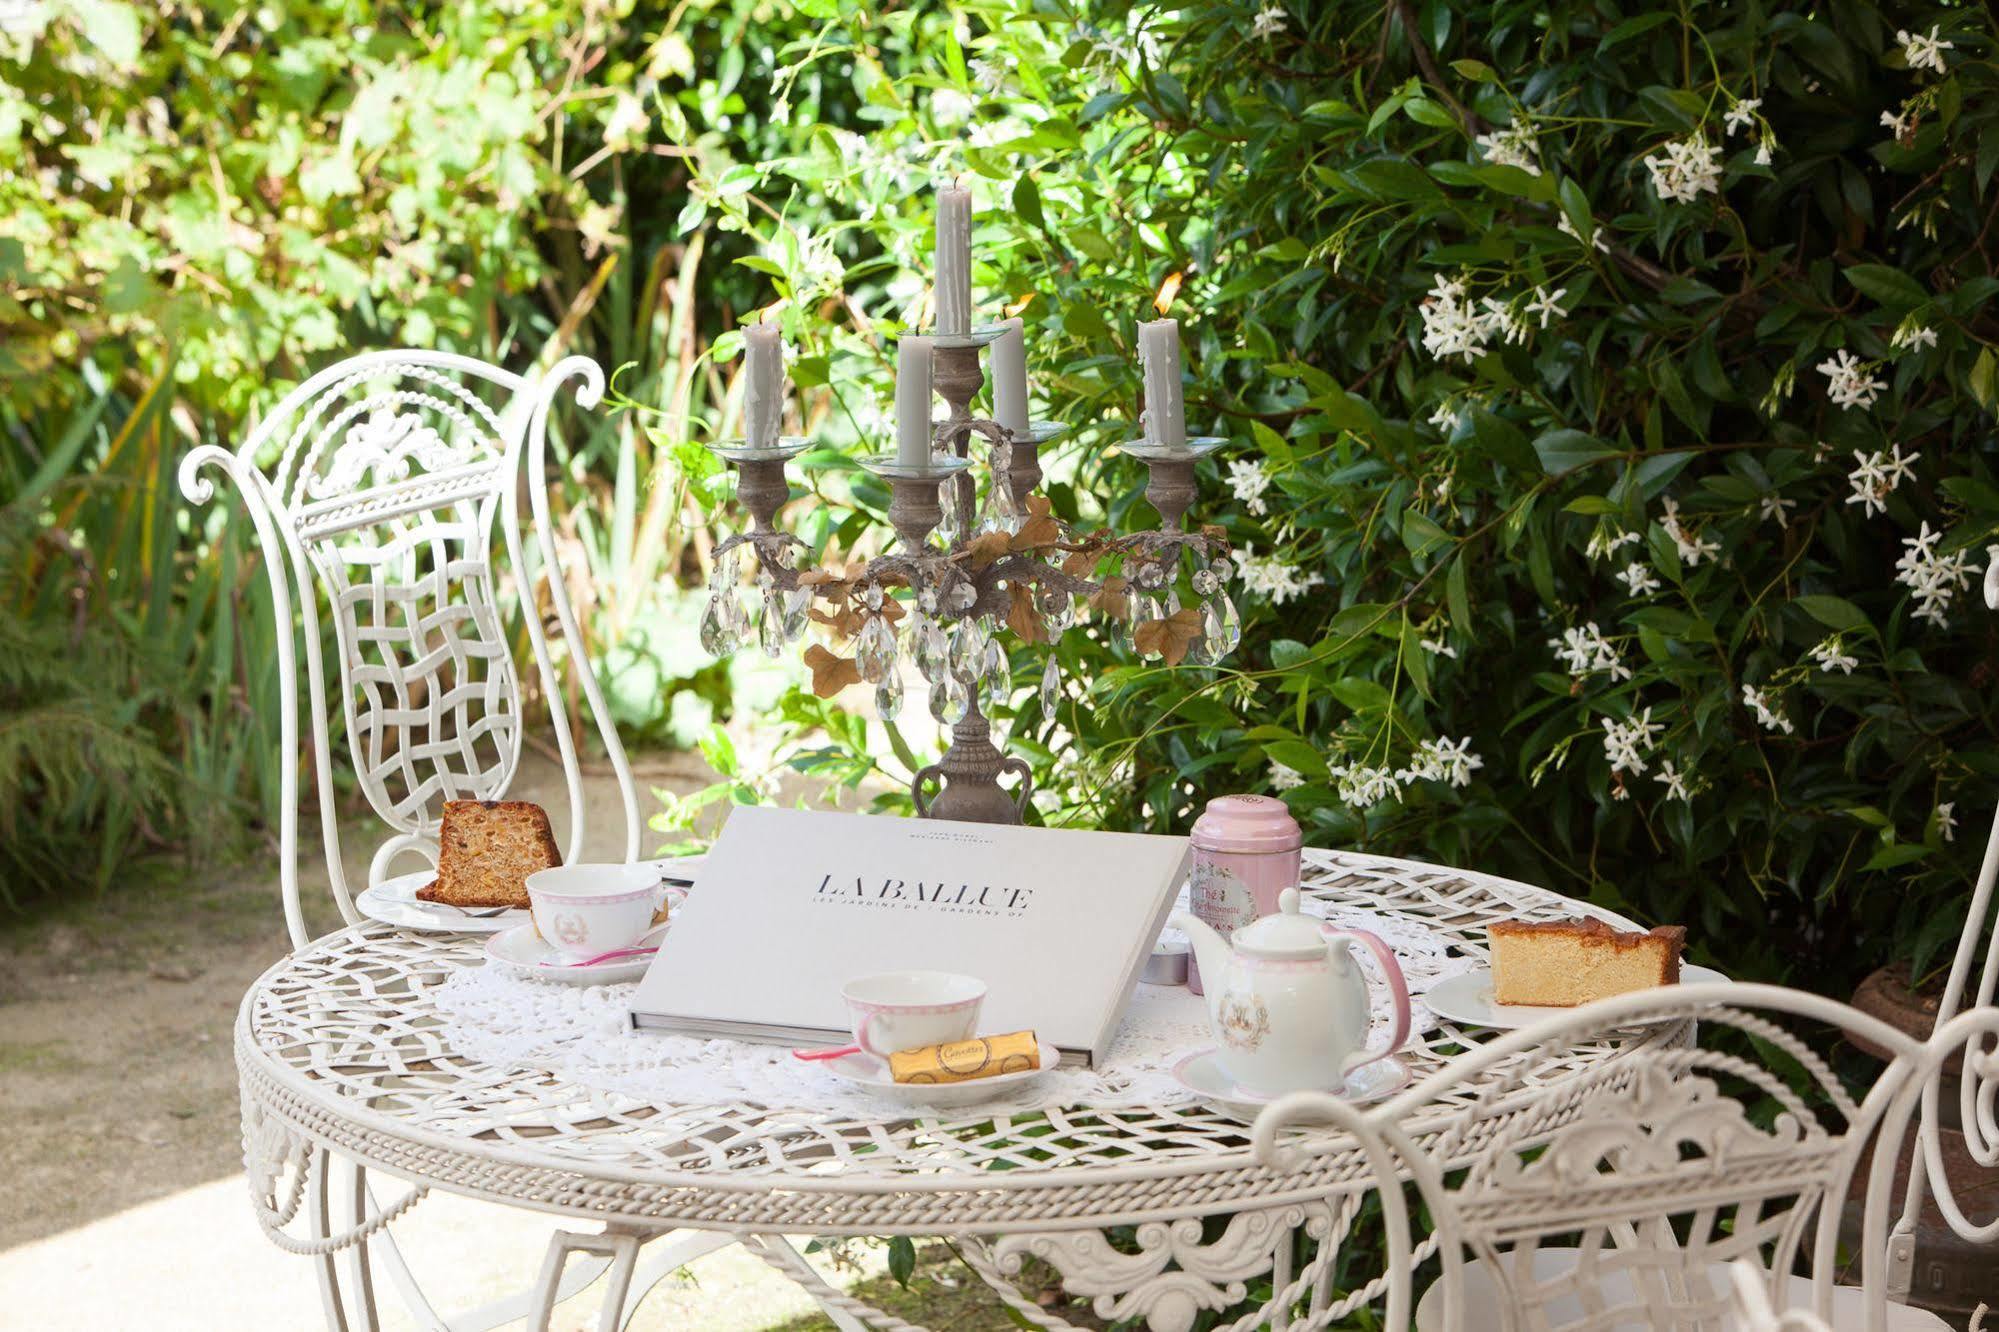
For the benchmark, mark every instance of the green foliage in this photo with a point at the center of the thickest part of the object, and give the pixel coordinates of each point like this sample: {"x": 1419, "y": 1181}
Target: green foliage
{"x": 1631, "y": 442}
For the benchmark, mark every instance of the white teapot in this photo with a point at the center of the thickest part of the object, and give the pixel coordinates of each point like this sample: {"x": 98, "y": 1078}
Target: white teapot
{"x": 1287, "y": 1001}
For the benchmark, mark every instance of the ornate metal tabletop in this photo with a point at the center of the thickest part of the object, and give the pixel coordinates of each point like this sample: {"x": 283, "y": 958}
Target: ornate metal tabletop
{"x": 339, "y": 1047}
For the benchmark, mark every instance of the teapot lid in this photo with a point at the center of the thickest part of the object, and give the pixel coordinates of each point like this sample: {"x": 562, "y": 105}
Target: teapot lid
{"x": 1289, "y": 933}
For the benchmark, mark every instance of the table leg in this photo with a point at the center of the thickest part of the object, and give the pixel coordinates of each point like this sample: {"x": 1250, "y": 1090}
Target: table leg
{"x": 319, "y": 1228}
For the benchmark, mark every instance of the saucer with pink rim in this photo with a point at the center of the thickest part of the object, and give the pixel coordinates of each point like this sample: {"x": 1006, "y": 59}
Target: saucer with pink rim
{"x": 523, "y": 952}
{"x": 1202, "y": 1074}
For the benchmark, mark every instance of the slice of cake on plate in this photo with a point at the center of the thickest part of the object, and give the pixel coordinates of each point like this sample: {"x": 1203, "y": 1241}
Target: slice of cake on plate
{"x": 485, "y": 851}
{"x": 1562, "y": 963}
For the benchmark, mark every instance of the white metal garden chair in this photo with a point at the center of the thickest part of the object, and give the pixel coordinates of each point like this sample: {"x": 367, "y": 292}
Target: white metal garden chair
{"x": 386, "y": 492}
{"x": 1978, "y": 1075}
{"x": 1618, "y": 1197}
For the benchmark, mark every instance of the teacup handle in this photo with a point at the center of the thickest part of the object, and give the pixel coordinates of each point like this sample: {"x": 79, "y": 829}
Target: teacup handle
{"x": 862, "y": 1038}
{"x": 1398, "y": 993}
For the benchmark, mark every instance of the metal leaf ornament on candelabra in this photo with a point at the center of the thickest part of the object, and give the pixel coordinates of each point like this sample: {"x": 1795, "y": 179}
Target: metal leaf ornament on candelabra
{"x": 1007, "y": 566}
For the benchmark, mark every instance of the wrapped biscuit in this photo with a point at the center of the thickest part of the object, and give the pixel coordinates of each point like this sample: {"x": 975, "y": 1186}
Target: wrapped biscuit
{"x": 964, "y": 1061}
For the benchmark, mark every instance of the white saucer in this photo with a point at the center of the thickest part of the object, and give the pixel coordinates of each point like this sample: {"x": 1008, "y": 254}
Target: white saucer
{"x": 1201, "y": 1073}
{"x": 522, "y": 951}
{"x": 1467, "y": 998}
{"x": 864, "y": 1070}
{"x": 394, "y": 902}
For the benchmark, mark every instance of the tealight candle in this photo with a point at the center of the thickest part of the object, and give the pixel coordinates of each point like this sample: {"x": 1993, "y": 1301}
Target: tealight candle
{"x": 1009, "y": 359}
{"x": 954, "y": 261}
{"x": 1159, "y": 356}
{"x": 763, "y": 385}
{"x": 912, "y": 400}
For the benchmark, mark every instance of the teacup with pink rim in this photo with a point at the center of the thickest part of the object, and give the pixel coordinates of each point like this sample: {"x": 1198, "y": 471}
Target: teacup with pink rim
{"x": 901, "y": 1010}
{"x": 585, "y": 911}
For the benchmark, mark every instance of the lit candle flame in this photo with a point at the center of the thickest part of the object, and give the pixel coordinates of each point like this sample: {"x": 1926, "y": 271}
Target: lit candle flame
{"x": 1019, "y": 305}
{"x": 1167, "y": 291}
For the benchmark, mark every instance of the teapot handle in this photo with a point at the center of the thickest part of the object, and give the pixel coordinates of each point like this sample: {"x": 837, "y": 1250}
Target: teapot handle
{"x": 1398, "y": 993}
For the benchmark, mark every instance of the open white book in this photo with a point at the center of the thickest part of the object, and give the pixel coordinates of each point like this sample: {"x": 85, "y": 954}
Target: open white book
{"x": 793, "y": 904}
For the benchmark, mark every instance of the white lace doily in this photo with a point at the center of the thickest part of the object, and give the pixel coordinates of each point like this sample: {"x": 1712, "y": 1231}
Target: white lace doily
{"x": 578, "y": 1033}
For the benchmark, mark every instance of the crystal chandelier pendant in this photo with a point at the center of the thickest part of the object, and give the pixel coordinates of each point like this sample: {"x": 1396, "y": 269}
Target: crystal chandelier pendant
{"x": 930, "y": 648}
{"x": 1228, "y": 624}
{"x": 950, "y": 701}
{"x": 727, "y": 572}
{"x": 962, "y": 596}
{"x": 874, "y": 652}
{"x": 1058, "y": 610}
{"x": 995, "y": 671}
{"x": 947, "y": 526}
{"x": 797, "y": 613}
{"x": 718, "y": 636}
{"x": 1115, "y": 634}
{"x": 1051, "y": 687}
{"x": 888, "y": 696}
{"x": 770, "y": 625}
{"x": 968, "y": 646}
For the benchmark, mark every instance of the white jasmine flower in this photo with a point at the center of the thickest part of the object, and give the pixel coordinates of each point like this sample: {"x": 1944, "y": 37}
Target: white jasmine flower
{"x": 1568, "y": 228}
{"x": 1274, "y": 578}
{"x": 1674, "y": 780}
{"x": 1445, "y": 417}
{"x": 1626, "y": 742}
{"x": 1248, "y": 480}
{"x": 1992, "y": 577}
{"x": 1444, "y": 761}
{"x": 628, "y": 122}
{"x": 1831, "y": 656}
{"x": 1436, "y": 647}
{"x": 1283, "y": 778}
{"x": 1902, "y": 122}
{"x": 1775, "y": 721}
{"x": 1776, "y": 506}
{"x": 1924, "y": 52}
{"x": 1946, "y": 817}
{"x": 1914, "y": 336}
{"x": 1602, "y": 544}
{"x": 1452, "y": 324}
{"x": 1364, "y": 787}
{"x": 1740, "y": 116}
{"x": 1584, "y": 651}
{"x": 988, "y": 73}
{"x": 1684, "y": 169}
{"x": 1692, "y": 550}
{"x": 1876, "y": 475}
{"x": 1764, "y": 149}
{"x": 1638, "y": 576}
{"x": 1268, "y": 21}
{"x": 1512, "y": 146}
{"x": 1544, "y": 304}
{"x": 1935, "y": 580}
{"x": 1848, "y": 382}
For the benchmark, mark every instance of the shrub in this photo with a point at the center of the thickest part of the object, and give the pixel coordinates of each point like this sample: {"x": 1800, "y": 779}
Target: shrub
{"x": 1611, "y": 399}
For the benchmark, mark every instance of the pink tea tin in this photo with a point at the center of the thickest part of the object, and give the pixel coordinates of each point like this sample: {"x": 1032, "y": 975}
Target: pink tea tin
{"x": 1245, "y": 853}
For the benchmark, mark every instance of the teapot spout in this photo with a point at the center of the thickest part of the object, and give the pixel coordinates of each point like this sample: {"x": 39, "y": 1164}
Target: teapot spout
{"x": 1211, "y": 951}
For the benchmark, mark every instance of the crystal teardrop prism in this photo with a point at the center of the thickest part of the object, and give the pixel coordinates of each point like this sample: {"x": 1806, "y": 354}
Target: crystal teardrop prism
{"x": 1231, "y": 626}
{"x": 968, "y": 646}
{"x": 874, "y": 651}
{"x": 770, "y": 625}
{"x": 930, "y": 648}
{"x": 995, "y": 671}
{"x": 888, "y": 696}
{"x": 726, "y": 572}
{"x": 1051, "y": 687}
{"x": 950, "y": 701}
{"x": 797, "y": 613}
{"x": 717, "y": 635}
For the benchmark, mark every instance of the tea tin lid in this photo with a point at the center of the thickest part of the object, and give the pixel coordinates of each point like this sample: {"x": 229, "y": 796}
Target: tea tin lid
{"x": 1252, "y": 823}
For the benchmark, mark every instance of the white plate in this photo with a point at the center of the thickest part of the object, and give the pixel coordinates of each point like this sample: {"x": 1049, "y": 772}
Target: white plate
{"x": 1467, "y": 998}
{"x": 1202, "y": 1074}
{"x": 522, "y": 951}
{"x": 864, "y": 1070}
{"x": 394, "y": 902}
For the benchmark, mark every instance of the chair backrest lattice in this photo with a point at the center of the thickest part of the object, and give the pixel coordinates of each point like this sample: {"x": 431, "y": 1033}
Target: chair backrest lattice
{"x": 387, "y": 493}
{"x": 1617, "y": 1196}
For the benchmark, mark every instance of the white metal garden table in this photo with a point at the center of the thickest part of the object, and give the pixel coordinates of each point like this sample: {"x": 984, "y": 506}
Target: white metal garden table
{"x": 339, "y": 1050}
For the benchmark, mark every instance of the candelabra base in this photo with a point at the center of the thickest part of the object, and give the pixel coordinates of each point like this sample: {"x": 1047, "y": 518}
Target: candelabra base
{"x": 968, "y": 776}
